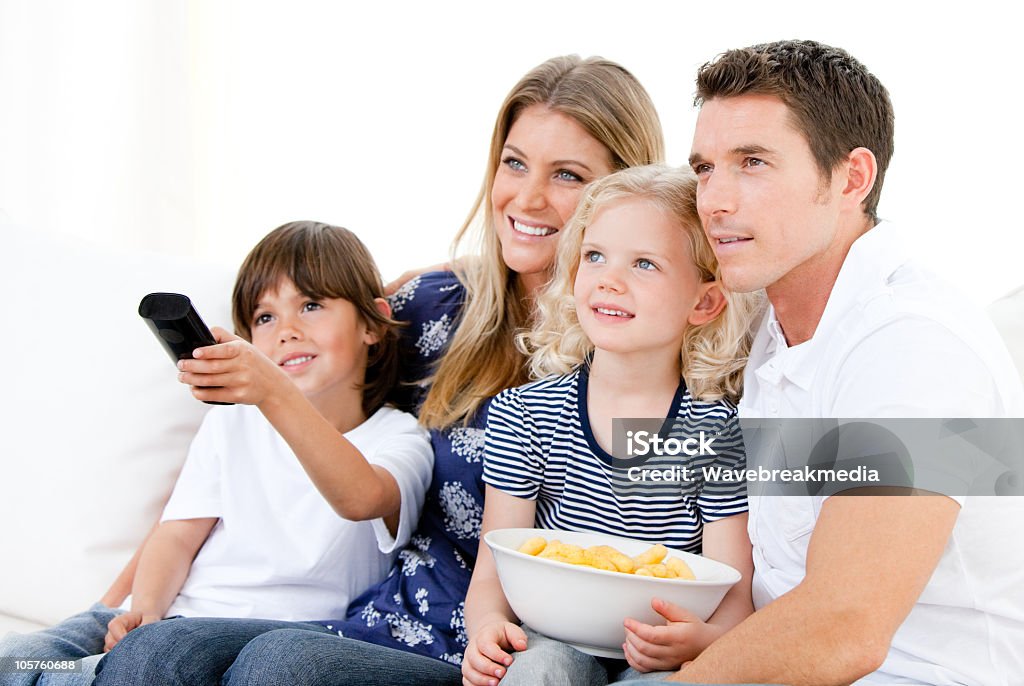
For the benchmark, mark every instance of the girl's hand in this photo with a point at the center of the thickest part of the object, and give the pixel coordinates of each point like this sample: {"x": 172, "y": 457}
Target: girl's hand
{"x": 232, "y": 371}
{"x": 661, "y": 648}
{"x": 485, "y": 660}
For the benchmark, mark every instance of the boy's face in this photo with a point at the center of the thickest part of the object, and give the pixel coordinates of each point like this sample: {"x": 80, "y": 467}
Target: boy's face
{"x": 321, "y": 344}
{"x": 767, "y": 211}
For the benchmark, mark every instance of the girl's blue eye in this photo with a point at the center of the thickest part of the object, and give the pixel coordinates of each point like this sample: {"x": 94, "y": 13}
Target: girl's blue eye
{"x": 646, "y": 265}
{"x": 593, "y": 257}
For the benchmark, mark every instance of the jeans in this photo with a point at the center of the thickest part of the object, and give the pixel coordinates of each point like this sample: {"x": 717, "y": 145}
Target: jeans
{"x": 204, "y": 651}
{"x": 548, "y": 662}
{"x": 76, "y": 638}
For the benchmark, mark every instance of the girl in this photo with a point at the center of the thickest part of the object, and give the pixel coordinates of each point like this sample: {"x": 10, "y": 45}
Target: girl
{"x": 567, "y": 122}
{"x": 634, "y": 324}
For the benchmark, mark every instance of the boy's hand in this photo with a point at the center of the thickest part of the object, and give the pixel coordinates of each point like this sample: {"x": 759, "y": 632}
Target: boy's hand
{"x": 485, "y": 660}
{"x": 232, "y": 371}
{"x": 661, "y": 648}
{"x": 119, "y": 626}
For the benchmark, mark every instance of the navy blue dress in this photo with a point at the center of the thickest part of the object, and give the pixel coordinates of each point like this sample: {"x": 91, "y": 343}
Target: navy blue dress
{"x": 419, "y": 607}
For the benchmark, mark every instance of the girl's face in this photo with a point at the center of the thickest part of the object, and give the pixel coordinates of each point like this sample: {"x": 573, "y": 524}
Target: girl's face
{"x": 637, "y": 287}
{"x": 547, "y": 160}
{"x": 321, "y": 344}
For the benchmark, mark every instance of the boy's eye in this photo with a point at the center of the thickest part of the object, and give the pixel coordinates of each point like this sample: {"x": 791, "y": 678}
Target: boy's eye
{"x": 646, "y": 265}
{"x": 311, "y": 306}
{"x": 262, "y": 319}
{"x": 593, "y": 257}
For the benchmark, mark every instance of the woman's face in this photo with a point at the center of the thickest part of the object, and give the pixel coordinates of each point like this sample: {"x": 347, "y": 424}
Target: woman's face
{"x": 546, "y": 161}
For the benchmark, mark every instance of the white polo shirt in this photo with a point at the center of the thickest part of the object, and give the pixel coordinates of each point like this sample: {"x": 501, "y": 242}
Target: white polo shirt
{"x": 894, "y": 341}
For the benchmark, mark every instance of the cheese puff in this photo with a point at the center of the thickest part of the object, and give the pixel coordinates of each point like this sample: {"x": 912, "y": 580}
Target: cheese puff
{"x": 563, "y": 552}
{"x": 680, "y": 568}
{"x": 658, "y": 570}
{"x": 651, "y": 556}
{"x": 533, "y": 546}
{"x": 594, "y": 560}
{"x": 622, "y": 563}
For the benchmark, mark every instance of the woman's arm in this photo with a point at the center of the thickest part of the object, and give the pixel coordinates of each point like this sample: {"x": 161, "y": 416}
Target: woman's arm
{"x": 490, "y": 622}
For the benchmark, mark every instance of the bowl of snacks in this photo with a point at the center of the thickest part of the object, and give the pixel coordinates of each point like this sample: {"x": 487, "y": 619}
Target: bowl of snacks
{"x": 578, "y": 587}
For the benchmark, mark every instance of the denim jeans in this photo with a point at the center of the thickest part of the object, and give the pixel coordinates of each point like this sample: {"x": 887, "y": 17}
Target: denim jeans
{"x": 203, "y": 651}
{"x": 76, "y": 638}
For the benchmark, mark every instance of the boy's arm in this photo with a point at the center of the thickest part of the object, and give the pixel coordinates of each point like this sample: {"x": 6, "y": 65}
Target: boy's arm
{"x": 163, "y": 565}
{"x": 235, "y": 371}
{"x": 122, "y": 585}
{"x": 868, "y": 561}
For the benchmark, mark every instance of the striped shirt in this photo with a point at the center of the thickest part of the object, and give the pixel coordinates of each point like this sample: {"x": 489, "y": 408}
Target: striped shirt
{"x": 539, "y": 446}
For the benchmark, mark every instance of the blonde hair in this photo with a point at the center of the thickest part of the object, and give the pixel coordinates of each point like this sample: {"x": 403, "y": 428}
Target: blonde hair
{"x": 712, "y": 355}
{"x": 482, "y": 358}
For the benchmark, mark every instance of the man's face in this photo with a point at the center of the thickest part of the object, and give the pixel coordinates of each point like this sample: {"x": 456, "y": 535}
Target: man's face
{"x": 769, "y": 215}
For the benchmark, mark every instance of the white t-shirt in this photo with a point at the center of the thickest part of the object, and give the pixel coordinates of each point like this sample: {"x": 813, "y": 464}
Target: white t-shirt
{"x": 896, "y": 342}
{"x": 279, "y": 551}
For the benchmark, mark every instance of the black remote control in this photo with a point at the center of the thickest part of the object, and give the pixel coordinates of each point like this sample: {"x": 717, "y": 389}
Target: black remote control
{"x": 177, "y": 325}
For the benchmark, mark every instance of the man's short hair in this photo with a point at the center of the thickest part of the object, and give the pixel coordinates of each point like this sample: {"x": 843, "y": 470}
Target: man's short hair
{"x": 836, "y": 103}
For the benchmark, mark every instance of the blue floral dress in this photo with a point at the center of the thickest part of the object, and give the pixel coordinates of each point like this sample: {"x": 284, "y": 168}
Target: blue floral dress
{"x": 419, "y": 607}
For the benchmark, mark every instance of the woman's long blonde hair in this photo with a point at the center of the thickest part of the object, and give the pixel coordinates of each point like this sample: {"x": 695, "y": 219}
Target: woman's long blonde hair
{"x": 482, "y": 358}
{"x": 712, "y": 355}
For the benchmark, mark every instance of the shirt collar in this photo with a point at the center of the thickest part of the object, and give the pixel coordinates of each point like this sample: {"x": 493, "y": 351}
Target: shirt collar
{"x": 864, "y": 275}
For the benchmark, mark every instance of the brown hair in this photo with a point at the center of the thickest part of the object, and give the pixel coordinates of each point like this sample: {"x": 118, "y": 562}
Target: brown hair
{"x": 835, "y": 102}
{"x": 322, "y": 261}
{"x": 609, "y": 104}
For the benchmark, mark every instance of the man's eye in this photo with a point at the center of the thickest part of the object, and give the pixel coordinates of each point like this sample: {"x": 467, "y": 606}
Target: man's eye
{"x": 702, "y": 168}
{"x": 754, "y": 162}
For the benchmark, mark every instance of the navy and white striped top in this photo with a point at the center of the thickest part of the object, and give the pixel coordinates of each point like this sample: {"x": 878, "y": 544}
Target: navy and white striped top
{"x": 539, "y": 446}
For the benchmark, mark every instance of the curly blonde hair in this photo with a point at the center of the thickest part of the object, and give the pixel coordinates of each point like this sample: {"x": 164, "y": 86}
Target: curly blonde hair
{"x": 713, "y": 354}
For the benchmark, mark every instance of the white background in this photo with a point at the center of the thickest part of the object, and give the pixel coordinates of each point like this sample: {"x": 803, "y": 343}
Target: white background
{"x": 194, "y": 127}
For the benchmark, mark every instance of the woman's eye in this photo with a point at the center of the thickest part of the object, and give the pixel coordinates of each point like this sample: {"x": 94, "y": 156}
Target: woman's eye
{"x": 566, "y": 175}
{"x": 646, "y": 265}
{"x": 513, "y": 164}
{"x": 593, "y": 257}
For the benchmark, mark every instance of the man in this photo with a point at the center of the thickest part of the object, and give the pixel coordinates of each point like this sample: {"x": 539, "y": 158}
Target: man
{"x": 791, "y": 147}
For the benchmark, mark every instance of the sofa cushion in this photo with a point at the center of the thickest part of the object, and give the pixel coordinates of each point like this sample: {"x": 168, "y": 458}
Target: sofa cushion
{"x": 97, "y": 425}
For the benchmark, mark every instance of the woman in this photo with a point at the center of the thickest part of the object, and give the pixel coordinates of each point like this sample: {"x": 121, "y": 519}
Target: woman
{"x": 566, "y": 123}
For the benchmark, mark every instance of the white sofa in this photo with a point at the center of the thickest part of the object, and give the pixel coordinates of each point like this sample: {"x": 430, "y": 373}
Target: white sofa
{"x": 95, "y": 424}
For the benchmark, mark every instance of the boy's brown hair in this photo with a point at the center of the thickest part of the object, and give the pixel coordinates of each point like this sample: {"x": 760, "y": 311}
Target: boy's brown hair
{"x": 323, "y": 261}
{"x": 835, "y": 102}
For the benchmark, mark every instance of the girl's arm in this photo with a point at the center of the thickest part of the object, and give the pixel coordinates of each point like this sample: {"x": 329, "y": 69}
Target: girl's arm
{"x": 650, "y": 648}
{"x": 163, "y": 567}
{"x": 355, "y": 489}
{"x": 490, "y": 623}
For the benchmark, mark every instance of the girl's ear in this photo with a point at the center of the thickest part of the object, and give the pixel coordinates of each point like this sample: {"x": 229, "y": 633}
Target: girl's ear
{"x": 372, "y": 335}
{"x": 710, "y": 303}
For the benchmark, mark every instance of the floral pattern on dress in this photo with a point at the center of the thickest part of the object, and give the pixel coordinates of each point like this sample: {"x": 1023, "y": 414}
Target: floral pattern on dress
{"x": 434, "y": 335}
{"x": 409, "y": 631}
{"x": 462, "y": 513}
{"x": 467, "y": 442}
{"x": 404, "y": 295}
{"x": 415, "y": 555}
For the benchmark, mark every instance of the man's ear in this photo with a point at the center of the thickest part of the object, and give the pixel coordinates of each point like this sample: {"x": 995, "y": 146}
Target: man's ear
{"x": 710, "y": 303}
{"x": 372, "y": 334}
{"x": 861, "y": 174}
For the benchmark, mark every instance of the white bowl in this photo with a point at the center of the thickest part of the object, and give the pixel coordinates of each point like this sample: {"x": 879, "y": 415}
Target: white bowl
{"x": 584, "y": 606}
